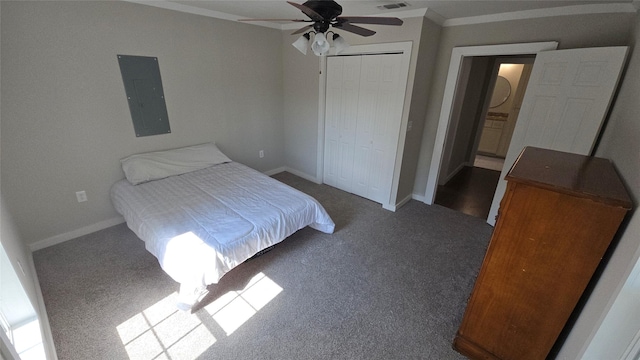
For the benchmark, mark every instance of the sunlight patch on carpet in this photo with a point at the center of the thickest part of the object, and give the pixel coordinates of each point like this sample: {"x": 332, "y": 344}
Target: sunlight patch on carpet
{"x": 234, "y": 308}
{"x": 163, "y": 332}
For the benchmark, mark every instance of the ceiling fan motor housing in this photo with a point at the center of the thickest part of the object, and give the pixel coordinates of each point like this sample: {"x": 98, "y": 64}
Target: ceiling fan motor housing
{"x": 326, "y": 13}
{"x": 328, "y": 9}
{"x": 321, "y": 26}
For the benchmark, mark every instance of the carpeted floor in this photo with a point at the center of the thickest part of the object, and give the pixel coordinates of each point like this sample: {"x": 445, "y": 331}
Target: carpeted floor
{"x": 385, "y": 285}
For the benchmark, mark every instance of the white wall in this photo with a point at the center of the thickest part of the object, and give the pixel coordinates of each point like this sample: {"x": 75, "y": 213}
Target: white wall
{"x": 66, "y": 121}
{"x": 609, "y": 319}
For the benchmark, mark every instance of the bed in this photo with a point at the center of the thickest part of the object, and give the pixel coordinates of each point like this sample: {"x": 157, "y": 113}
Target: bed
{"x": 201, "y": 214}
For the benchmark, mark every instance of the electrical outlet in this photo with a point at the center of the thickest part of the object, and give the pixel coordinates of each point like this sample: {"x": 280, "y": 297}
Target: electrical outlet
{"x": 261, "y": 154}
{"x": 81, "y": 195}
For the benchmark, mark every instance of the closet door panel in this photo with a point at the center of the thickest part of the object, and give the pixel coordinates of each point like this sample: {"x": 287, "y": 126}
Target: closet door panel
{"x": 385, "y": 126}
{"x": 365, "y": 97}
{"x": 332, "y": 119}
{"x": 369, "y": 85}
{"x": 340, "y": 123}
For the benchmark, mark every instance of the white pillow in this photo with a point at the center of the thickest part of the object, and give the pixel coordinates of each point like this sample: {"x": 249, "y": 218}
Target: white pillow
{"x": 145, "y": 167}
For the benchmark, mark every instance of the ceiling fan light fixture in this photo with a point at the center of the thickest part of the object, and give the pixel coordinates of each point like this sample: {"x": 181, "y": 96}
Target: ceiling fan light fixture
{"x": 340, "y": 44}
{"x": 324, "y": 14}
{"x": 302, "y": 43}
{"x": 320, "y": 45}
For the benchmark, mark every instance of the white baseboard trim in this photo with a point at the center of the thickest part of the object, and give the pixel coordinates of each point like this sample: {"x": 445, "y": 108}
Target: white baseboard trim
{"x": 419, "y": 197}
{"x": 453, "y": 173}
{"x": 57, "y": 239}
{"x": 398, "y": 205}
{"x": 403, "y": 202}
{"x": 295, "y": 172}
{"x": 303, "y": 175}
{"x": 275, "y": 171}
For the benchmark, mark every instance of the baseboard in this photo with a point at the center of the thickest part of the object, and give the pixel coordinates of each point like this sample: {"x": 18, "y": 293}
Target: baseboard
{"x": 453, "y": 173}
{"x": 303, "y": 175}
{"x": 57, "y": 239}
{"x": 419, "y": 197}
{"x": 402, "y": 202}
{"x": 275, "y": 171}
{"x": 389, "y": 207}
{"x": 398, "y": 205}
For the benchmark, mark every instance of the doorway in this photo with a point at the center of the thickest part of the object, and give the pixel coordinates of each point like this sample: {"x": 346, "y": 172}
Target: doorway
{"x": 487, "y": 107}
{"x": 565, "y": 105}
{"x": 454, "y": 87}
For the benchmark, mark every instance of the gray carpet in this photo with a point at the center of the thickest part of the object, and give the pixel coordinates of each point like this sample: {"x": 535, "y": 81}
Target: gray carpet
{"x": 385, "y": 285}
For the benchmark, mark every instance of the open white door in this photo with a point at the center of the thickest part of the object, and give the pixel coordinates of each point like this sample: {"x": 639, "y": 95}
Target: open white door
{"x": 565, "y": 104}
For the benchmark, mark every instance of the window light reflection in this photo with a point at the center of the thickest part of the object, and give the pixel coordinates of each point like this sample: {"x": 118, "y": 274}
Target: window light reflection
{"x": 164, "y": 332}
{"x": 236, "y": 307}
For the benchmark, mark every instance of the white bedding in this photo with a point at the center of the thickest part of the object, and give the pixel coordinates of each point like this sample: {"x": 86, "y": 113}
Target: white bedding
{"x": 202, "y": 224}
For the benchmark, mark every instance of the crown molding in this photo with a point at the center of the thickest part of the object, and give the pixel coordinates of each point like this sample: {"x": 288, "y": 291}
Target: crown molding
{"x": 424, "y": 12}
{"x": 169, "y": 5}
{"x": 549, "y": 12}
{"x": 435, "y": 17}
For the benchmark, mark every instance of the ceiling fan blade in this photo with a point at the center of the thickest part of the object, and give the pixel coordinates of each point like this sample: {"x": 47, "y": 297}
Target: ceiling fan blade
{"x": 293, "y": 20}
{"x": 308, "y": 11}
{"x": 354, "y": 29}
{"x": 370, "y": 20}
{"x": 300, "y": 31}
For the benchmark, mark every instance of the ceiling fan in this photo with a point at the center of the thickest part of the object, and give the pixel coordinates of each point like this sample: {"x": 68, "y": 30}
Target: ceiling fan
{"x": 324, "y": 14}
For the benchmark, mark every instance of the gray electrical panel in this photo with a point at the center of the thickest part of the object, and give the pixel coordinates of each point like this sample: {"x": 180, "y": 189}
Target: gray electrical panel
{"x": 143, "y": 86}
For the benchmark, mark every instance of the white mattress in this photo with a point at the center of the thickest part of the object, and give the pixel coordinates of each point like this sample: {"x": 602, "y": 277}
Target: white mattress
{"x": 202, "y": 224}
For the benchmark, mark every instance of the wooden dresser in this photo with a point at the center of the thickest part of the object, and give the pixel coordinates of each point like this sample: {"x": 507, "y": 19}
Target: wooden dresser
{"x": 558, "y": 215}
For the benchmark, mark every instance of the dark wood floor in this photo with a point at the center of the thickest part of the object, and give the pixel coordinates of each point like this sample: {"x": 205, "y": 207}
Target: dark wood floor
{"x": 470, "y": 191}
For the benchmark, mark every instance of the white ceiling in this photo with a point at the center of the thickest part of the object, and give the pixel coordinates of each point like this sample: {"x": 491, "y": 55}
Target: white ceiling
{"x": 442, "y": 11}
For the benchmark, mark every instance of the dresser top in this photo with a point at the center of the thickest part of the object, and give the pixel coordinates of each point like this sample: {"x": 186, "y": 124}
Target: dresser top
{"x": 577, "y": 175}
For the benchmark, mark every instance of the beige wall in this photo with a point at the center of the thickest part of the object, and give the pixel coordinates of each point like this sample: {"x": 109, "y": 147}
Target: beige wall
{"x": 612, "y": 309}
{"x": 468, "y": 120}
{"x": 425, "y": 65}
{"x": 301, "y": 93}
{"x": 20, "y": 258}
{"x": 65, "y": 119}
{"x": 570, "y": 31}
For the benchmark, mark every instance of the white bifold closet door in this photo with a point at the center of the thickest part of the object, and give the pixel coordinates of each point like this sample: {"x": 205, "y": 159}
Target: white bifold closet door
{"x": 364, "y": 101}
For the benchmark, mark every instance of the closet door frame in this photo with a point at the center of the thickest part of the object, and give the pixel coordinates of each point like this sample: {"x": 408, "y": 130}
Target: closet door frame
{"x": 370, "y": 49}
